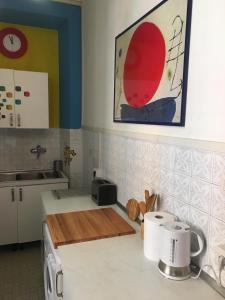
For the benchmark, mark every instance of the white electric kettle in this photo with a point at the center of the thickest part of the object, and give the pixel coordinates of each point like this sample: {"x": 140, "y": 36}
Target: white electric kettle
{"x": 175, "y": 256}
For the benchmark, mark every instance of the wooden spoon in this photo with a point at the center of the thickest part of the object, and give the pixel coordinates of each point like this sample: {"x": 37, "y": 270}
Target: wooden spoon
{"x": 133, "y": 209}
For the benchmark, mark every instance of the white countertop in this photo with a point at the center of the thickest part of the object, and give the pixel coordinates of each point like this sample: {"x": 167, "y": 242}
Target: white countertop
{"x": 115, "y": 268}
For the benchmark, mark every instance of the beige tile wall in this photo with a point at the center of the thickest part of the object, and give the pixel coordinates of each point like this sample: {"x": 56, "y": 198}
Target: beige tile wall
{"x": 15, "y": 145}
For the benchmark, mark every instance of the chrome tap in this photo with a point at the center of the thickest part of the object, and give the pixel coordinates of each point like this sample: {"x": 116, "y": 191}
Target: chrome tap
{"x": 68, "y": 155}
{"x": 38, "y": 150}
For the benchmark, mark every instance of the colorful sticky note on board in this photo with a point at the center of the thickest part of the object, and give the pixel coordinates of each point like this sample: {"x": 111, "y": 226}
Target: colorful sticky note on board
{"x": 18, "y": 88}
{"x": 18, "y": 101}
{"x": 2, "y": 88}
{"x": 27, "y": 94}
{"x": 9, "y": 107}
{"x": 9, "y": 95}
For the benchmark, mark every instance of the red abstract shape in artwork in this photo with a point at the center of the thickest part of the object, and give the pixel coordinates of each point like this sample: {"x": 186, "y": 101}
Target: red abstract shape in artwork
{"x": 144, "y": 64}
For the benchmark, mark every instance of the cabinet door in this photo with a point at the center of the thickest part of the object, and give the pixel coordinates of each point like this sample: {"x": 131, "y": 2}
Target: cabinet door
{"x": 7, "y": 116}
{"x": 8, "y": 216}
{"x": 30, "y": 211}
{"x": 31, "y": 99}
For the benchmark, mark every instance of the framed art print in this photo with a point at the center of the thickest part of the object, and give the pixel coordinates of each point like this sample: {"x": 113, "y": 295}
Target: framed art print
{"x": 151, "y": 66}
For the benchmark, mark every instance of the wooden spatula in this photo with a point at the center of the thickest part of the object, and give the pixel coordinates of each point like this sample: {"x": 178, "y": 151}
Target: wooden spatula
{"x": 151, "y": 203}
{"x": 142, "y": 206}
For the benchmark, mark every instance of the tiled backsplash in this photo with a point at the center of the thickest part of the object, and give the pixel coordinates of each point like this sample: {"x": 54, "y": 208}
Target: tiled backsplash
{"x": 190, "y": 181}
{"x": 15, "y": 148}
{"x": 64, "y": 141}
{"x": 76, "y": 166}
{"x": 15, "y": 152}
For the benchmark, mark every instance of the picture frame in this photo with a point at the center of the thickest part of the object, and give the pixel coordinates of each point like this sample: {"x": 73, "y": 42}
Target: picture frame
{"x": 151, "y": 66}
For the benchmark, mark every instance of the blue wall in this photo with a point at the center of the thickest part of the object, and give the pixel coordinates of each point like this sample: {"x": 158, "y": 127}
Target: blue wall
{"x": 67, "y": 20}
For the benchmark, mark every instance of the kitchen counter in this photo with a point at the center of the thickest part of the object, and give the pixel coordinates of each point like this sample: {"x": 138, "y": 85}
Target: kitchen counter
{"x": 115, "y": 268}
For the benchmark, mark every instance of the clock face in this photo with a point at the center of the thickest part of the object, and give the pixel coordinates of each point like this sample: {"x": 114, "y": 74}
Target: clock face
{"x": 13, "y": 43}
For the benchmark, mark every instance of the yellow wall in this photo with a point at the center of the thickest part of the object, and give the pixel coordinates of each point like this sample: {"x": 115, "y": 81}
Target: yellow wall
{"x": 42, "y": 56}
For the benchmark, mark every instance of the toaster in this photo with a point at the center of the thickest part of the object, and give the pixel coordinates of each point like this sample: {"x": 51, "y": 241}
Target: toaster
{"x": 103, "y": 192}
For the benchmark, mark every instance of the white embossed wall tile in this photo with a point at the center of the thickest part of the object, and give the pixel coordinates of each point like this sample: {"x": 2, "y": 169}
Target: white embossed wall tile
{"x": 121, "y": 194}
{"x": 130, "y": 189}
{"x": 143, "y": 151}
{"x": 181, "y": 210}
{"x": 154, "y": 154}
{"x": 155, "y": 178}
{"x": 200, "y": 220}
{"x": 167, "y": 156}
{"x": 200, "y": 195}
{"x": 202, "y": 165}
{"x": 218, "y": 203}
{"x": 146, "y": 153}
{"x": 217, "y": 232}
{"x": 151, "y": 177}
{"x": 136, "y": 149}
{"x": 166, "y": 182}
{"x": 76, "y": 180}
{"x": 183, "y": 160}
{"x": 219, "y": 169}
{"x": 182, "y": 187}
{"x": 129, "y": 150}
{"x": 166, "y": 203}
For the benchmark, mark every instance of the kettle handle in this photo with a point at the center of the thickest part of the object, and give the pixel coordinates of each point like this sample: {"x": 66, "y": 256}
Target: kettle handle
{"x": 201, "y": 245}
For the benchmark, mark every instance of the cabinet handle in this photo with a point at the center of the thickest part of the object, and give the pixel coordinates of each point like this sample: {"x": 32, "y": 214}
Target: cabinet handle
{"x": 21, "y": 194}
{"x": 11, "y": 120}
{"x": 59, "y": 273}
{"x": 18, "y": 120}
{"x": 13, "y": 195}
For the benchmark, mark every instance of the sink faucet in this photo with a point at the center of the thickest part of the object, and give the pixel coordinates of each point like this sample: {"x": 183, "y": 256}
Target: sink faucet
{"x": 38, "y": 150}
{"x": 68, "y": 155}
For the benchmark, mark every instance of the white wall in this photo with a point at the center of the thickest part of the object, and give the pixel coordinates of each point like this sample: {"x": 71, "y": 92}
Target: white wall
{"x": 205, "y": 112}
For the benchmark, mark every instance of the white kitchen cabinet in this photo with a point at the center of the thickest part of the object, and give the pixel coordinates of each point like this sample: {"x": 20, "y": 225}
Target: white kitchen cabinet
{"x": 8, "y": 216}
{"x": 21, "y": 214}
{"x": 7, "y": 106}
{"x": 29, "y": 210}
{"x": 23, "y": 99}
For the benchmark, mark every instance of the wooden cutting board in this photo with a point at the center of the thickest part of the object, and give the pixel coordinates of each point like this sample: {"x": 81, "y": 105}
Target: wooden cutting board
{"x": 81, "y": 226}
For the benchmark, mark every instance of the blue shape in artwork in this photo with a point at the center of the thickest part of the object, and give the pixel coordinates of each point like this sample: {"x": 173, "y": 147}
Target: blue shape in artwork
{"x": 160, "y": 111}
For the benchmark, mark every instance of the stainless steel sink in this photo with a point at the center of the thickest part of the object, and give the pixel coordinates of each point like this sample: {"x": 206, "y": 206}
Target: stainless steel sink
{"x": 7, "y": 177}
{"x": 29, "y": 175}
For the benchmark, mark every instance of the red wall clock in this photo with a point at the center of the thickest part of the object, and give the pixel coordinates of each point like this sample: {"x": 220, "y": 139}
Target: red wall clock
{"x": 13, "y": 42}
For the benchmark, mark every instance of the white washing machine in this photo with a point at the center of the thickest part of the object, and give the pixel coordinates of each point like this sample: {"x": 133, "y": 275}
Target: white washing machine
{"x": 53, "y": 275}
